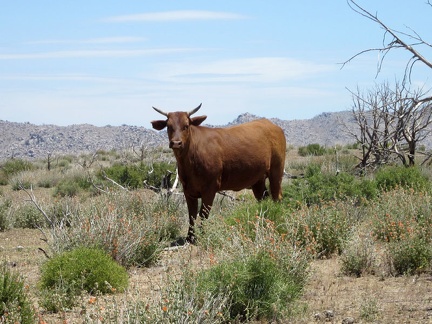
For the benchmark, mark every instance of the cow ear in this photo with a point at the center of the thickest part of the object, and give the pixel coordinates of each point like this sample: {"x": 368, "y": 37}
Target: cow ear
{"x": 159, "y": 124}
{"x": 196, "y": 121}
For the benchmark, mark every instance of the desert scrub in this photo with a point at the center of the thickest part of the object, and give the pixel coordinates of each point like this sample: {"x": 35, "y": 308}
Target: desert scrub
{"x": 27, "y": 216}
{"x": 260, "y": 275}
{"x": 15, "y": 305}
{"x": 245, "y": 215}
{"x": 319, "y": 187}
{"x": 401, "y": 213}
{"x": 409, "y": 256}
{"x": 359, "y": 255}
{"x": 12, "y": 167}
{"x": 88, "y": 269}
{"x": 258, "y": 286}
{"x": 5, "y": 210}
{"x": 322, "y": 230}
{"x": 130, "y": 226}
{"x": 391, "y": 177}
{"x": 311, "y": 150}
{"x": 135, "y": 175}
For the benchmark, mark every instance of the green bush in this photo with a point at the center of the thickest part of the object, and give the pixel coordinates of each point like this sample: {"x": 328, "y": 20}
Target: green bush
{"x": 391, "y": 177}
{"x": 71, "y": 186}
{"x": 125, "y": 225}
{"x": 88, "y": 269}
{"x": 28, "y": 216}
{"x": 317, "y": 187}
{"x": 401, "y": 213}
{"x": 5, "y": 205}
{"x": 311, "y": 150}
{"x": 258, "y": 287}
{"x": 14, "y": 166}
{"x": 58, "y": 298}
{"x": 410, "y": 256}
{"x": 322, "y": 230}
{"x": 133, "y": 176}
{"x": 67, "y": 188}
{"x": 19, "y": 185}
{"x": 245, "y": 215}
{"x": 15, "y": 305}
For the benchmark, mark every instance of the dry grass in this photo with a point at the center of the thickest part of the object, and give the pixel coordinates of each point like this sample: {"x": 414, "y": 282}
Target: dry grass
{"x": 396, "y": 299}
{"x": 329, "y": 296}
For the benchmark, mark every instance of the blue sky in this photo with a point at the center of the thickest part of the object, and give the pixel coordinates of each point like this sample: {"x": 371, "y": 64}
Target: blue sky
{"x": 108, "y": 62}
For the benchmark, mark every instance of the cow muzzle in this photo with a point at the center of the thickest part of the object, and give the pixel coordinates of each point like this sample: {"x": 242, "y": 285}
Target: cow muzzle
{"x": 176, "y": 144}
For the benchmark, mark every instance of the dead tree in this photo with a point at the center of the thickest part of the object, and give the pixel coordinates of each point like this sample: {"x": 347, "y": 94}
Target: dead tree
{"x": 393, "y": 40}
{"x": 391, "y": 123}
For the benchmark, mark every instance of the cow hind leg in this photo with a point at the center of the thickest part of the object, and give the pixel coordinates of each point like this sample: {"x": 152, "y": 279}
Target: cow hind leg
{"x": 259, "y": 190}
{"x": 275, "y": 179}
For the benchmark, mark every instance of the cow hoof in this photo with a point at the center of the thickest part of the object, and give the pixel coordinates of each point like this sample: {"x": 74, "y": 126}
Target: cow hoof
{"x": 179, "y": 242}
{"x": 191, "y": 239}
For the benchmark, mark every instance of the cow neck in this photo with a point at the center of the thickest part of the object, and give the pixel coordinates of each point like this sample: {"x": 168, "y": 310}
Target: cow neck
{"x": 187, "y": 155}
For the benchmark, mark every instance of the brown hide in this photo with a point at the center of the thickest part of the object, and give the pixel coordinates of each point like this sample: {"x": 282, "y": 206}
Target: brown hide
{"x": 214, "y": 159}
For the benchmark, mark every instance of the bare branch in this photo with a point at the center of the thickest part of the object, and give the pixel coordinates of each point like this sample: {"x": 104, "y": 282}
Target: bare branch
{"x": 396, "y": 42}
{"x": 112, "y": 181}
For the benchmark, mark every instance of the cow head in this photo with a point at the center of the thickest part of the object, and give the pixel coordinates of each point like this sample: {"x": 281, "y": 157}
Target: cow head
{"x": 178, "y": 125}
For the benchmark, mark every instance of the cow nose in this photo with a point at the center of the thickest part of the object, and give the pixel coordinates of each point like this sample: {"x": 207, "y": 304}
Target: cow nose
{"x": 175, "y": 144}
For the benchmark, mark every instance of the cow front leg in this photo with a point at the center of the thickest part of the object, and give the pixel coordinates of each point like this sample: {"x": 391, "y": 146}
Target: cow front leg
{"x": 192, "y": 204}
{"x": 206, "y": 205}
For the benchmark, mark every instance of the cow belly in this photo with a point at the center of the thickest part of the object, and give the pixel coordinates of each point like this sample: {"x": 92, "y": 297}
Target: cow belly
{"x": 240, "y": 179}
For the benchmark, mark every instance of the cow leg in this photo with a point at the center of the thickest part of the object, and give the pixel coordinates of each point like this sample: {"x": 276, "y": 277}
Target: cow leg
{"x": 259, "y": 190}
{"x": 275, "y": 180}
{"x": 206, "y": 204}
{"x": 192, "y": 204}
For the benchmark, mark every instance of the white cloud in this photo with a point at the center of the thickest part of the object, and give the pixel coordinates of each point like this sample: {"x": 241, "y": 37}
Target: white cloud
{"x": 259, "y": 69}
{"x": 102, "y": 40}
{"x": 93, "y": 53}
{"x": 181, "y": 15}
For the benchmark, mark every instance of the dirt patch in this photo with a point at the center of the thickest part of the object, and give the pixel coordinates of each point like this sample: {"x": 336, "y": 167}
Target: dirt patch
{"x": 330, "y": 296}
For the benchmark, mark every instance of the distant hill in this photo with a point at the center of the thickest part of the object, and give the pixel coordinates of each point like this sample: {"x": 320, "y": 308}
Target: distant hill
{"x": 25, "y": 140}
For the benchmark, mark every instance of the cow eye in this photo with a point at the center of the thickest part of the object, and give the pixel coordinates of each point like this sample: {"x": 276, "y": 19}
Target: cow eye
{"x": 185, "y": 127}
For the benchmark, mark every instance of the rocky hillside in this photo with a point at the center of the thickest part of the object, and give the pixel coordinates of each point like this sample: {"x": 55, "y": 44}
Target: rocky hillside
{"x": 25, "y": 140}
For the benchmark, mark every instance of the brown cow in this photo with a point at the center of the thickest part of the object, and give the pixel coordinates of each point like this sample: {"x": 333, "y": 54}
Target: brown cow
{"x": 214, "y": 159}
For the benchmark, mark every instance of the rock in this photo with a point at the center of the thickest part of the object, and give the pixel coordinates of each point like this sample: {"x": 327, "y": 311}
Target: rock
{"x": 328, "y": 314}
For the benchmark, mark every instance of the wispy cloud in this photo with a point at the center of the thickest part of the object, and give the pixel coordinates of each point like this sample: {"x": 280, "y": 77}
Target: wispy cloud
{"x": 60, "y": 77}
{"x": 259, "y": 69}
{"x": 102, "y": 40}
{"x": 181, "y": 15}
{"x": 93, "y": 53}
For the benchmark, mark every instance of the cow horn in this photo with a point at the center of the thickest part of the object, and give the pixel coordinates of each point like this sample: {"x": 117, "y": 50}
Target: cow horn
{"x": 161, "y": 112}
{"x": 194, "y": 110}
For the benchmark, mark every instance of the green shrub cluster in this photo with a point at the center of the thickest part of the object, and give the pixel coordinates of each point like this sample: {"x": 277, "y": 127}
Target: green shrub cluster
{"x": 259, "y": 287}
{"x": 81, "y": 269}
{"x": 15, "y": 304}
{"x": 124, "y": 224}
{"x": 391, "y": 177}
{"x": 13, "y": 167}
{"x": 401, "y": 219}
{"x": 317, "y": 187}
{"x": 5, "y": 205}
{"x": 256, "y": 276}
{"x": 311, "y": 150}
{"x": 134, "y": 176}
